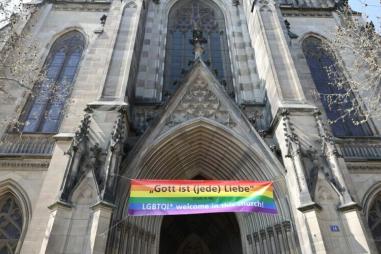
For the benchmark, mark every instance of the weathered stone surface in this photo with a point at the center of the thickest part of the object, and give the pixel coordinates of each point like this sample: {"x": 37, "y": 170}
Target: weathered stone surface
{"x": 73, "y": 188}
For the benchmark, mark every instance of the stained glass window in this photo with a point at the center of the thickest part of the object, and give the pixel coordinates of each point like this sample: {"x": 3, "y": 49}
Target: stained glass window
{"x": 374, "y": 221}
{"x": 184, "y": 17}
{"x": 319, "y": 61}
{"x": 11, "y": 221}
{"x": 50, "y": 95}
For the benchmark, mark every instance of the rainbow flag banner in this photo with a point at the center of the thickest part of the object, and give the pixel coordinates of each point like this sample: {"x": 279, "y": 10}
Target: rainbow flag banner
{"x": 167, "y": 197}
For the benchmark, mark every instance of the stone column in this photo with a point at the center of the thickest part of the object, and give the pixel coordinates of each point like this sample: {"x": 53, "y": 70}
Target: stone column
{"x": 122, "y": 28}
{"x": 294, "y": 153}
{"x": 280, "y": 238}
{"x": 358, "y": 238}
{"x": 314, "y": 234}
{"x": 57, "y": 229}
{"x": 100, "y": 227}
{"x": 42, "y": 215}
{"x": 257, "y": 243}
{"x": 275, "y": 64}
{"x": 331, "y": 154}
{"x": 306, "y": 215}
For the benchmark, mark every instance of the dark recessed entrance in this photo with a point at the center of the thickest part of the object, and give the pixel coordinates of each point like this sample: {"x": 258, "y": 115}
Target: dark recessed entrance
{"x": 200, "y": 234}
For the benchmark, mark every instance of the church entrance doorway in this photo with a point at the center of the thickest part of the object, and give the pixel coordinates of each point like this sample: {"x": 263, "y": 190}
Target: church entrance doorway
{"x": 200, "y": 234}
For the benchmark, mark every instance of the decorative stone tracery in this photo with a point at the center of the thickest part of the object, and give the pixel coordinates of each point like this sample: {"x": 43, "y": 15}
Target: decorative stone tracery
{"x": 185, "y": 19}
{"x": 11, "y": 224}
{"x": 374, "y": 220}
{"x": 200, "y": 101}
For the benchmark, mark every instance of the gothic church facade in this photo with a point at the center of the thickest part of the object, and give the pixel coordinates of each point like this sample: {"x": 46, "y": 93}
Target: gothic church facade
{"x": 184, "y": 89}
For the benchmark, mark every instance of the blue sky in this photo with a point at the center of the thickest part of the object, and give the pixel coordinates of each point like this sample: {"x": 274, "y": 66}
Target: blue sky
{"x": 371, "y": 9}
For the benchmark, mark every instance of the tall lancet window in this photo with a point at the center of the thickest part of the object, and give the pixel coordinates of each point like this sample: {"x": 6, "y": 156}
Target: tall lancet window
{"x": 319, "y": 61}
{"x": 46, "y": 108}
{"x": 11, "y": 222}
{"x": 185, "y": 17}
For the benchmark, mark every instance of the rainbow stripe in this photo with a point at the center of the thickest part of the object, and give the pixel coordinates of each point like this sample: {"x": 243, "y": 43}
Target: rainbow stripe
{"x": 171, "y": 197}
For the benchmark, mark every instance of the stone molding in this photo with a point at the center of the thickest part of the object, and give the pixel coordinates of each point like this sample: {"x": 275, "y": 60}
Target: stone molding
{"x": 29, "y": 144}
{"x": 319, "y": 13}
{"x": 364, "y": 167}
{"x": 64, "y": 136}
{"x": 60, "y": 205}
{"x": 349, "y": 206}
{"x": 24, "y": 164}
{"x": 90, "y": 7}
{"x": 103, "y": 205}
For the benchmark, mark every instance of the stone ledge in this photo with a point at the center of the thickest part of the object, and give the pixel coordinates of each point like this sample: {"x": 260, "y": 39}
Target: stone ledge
{"x": 18, "y": 164}
{"x": 103, "y": 205}
{"x": 60, "y": 204}
{"x": 27, "y": 144}
{"x": 308, "y": 207}
{"x": 101, "y": 6}
{"x": 349, "y": 206}
{"x": 107, "y": 105}
{"x": 364, "y": 167}
{"x": 64, "y": 136}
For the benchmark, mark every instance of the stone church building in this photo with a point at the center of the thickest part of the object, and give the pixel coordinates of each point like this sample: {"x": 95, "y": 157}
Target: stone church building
{"x": 184, "y": 89}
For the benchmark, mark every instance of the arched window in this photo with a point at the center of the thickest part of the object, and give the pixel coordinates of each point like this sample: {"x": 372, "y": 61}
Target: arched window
{"x": 184, "y": 17}
{"x": 11, "y": 223}
{"x": 50, "y": 95}
{"x": 374, "y": 220}
{"x": 319, "y": 60}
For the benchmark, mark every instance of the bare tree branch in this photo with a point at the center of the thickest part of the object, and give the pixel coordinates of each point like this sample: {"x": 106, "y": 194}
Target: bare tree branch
{"x": 359, "y": 96}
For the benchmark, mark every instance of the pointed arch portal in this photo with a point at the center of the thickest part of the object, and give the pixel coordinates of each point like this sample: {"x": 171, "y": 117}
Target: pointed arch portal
{"x": 202, "y": 148}
{"x": 202, "y": 133}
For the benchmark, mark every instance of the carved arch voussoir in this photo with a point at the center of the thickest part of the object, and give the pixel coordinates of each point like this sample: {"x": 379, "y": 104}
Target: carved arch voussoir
{"x": 316, "y": 35}
{"x": 10, "y": 185}
{"x": 55, "y": 37}
{"x": 369, "y": 197}
{"x": 181, "y": 153}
